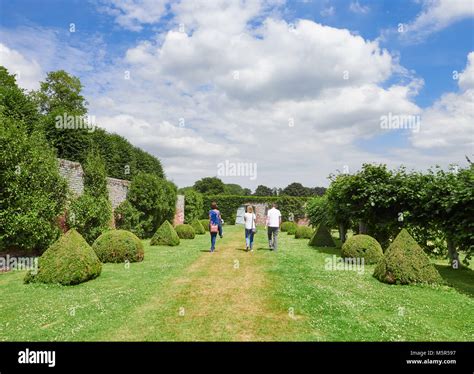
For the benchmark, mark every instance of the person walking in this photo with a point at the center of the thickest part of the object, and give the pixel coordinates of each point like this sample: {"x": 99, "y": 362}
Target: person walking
{"x": 273, "y": 226}
{"x": 215, "y": 224}
{"x": 250, "y": 228}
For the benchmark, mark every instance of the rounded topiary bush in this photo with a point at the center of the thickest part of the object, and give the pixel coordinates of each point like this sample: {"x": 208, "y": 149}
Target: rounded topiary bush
{"x": 198, "y": 227}
{"x": 362, "y": 246}
{"x": 69, "y": 260}
{"x": 322, "y": 237}
{"x": 165, "y": 235}
{"x": 205, "y": 224}
{"x": 303, "y": 232}
{"x": 118, "y": 246}
{"x": 288, "y": 226}
{"x": 404, "y": 262}
{"x": 185, "y": 231}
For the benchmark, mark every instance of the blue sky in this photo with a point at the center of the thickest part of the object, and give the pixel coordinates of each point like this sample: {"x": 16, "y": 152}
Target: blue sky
{"x": 187, "y": 76}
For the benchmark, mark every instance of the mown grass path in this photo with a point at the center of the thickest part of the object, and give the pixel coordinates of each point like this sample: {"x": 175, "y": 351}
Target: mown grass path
{"x": 186, "y": 293}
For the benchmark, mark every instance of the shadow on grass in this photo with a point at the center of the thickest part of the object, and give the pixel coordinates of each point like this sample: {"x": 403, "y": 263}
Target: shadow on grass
{"x": 461, "y": 279}
{"x": 328, "y": 250}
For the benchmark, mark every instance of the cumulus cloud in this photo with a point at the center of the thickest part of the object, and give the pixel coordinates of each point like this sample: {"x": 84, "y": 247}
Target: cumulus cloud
{"x": 356, "y": 7}
{"x": 437, "y": 15}
{"x": 27, "y": 71}
{"x": 449, "y": 123}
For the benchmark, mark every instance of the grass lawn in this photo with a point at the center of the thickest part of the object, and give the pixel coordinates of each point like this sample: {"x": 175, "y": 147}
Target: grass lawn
{"x": 186, "y": 293}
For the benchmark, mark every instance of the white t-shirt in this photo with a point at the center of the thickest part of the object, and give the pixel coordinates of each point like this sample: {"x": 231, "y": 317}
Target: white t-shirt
{"x": 249, "y": 219}
{"x": 273, "y": 218}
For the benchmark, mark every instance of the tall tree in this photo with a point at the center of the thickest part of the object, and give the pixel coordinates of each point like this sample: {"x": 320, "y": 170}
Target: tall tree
{"x": 210, "y": 186}
{"x": 262, "y": 190}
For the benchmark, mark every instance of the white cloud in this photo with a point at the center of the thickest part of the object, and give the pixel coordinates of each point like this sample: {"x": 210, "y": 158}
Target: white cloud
{"x": 449, "y": 123}
{"x": 437, "y": 15}
{"x": 27, "y": 71}
{"x": 133, "y": 14}
{"x": 328, "y": 12}
{"x": 356, "y": 7}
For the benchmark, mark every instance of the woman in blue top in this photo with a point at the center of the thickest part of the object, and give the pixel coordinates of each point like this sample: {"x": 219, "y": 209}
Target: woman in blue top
{"x": 215, "y": 225}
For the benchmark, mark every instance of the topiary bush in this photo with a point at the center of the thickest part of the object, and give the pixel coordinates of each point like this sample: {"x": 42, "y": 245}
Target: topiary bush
{"x": 185, "y": 231}
{"x": 303, "y": 232}
{"x": 288, "y": 226}
{"x": 362, "y": 246}
{"x": 291, "y": 229}
{"x": 119, "y": 246}
{"x": 405, "y": 262}
{"x": 68, "y": 261}
{"x": 165, "y": 235}
{"x": 193, "y": 205}
{"x": 322, "y": 237}
{"x": 198, "y": 227}
{"x": 205, "y": 224}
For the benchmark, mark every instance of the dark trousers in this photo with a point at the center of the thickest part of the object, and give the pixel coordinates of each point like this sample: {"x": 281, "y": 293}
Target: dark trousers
{"x": 273, "y": 237}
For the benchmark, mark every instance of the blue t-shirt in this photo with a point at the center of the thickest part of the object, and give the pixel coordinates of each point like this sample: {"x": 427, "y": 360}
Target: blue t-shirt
{"x": 214, "y": 215}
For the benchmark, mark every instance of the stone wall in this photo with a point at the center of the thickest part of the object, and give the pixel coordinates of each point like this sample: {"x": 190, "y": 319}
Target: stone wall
{"x": 74, "y": 174}
{"x": 179, "y": 214}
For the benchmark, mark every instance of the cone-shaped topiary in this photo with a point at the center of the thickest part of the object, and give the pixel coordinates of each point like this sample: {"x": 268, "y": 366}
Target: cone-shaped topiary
{"x": 118, "y": 246}
{"x": 198, "y": 227}
{"x": 303, "y": 232}
{"x": 362, "y": 246}
{"x": 185, "y": 231}
{"x": 205, "y": 224}
{"x": 69, "y": 260}
{"x": 322, "y": 237}
{"x": 405, "y": 262}
{"x": 288, "y": 226}
{"x": 165, "y": 235}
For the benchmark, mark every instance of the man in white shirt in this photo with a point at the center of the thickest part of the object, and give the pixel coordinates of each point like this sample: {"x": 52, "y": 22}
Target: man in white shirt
{"x": 273, "y": 226}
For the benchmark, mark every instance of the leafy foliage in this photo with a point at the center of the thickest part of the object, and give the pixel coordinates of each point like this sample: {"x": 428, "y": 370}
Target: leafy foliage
{"x": 205, "y": 224}
{"x": 128, "y": 218}
{"x": 185, "y": 231}
{"x": 119, "y": 246}
{"x": 362, "y": 246}
{"x": 405, "y": 262}
{"x": 288, "y": 227}
{"x": 210, "y": 186}
{"x": 193, "y": 205}
{"x": 70, "y": 260}
{"x": 262, "y": 190}
{"x": 32, "y": 193}
{"x": 198, "y": 227}
{"x": 322, "y": 237}
{"x": 303, "y": 232}
{"x": 154, "y": 198}
{"x": 165, "y": 235}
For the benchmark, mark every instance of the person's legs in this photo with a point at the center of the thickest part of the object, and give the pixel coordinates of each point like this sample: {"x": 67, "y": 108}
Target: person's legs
{"x": 275, "y": 238}
{"x": 213, "y": 241}
{"x": 270, "y": 238}
{"x": 251, "y": 239}
{"x": 247, "y": 238}
{"x": 220, "y": 229}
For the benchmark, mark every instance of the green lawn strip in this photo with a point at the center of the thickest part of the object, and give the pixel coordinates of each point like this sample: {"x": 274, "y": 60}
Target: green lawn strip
{"x": 342, "y": 305}
{"x": 222, "y": 297}
{"x": 90, "y": 310}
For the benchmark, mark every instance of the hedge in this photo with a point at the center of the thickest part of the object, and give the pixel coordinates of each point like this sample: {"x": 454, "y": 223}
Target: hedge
{"x": 303, "y": 232}
{"x": 185, "y": 231}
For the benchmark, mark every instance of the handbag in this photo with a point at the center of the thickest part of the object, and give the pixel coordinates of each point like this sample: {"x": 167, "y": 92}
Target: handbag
{"x": 214, "y": 228}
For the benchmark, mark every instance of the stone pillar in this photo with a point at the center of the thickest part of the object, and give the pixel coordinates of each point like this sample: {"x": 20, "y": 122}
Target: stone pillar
{"x": 179, "y": 214}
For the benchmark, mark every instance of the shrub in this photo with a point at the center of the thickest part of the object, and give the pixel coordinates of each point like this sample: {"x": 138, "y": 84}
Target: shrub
{"x": 155, "y": 198}
{"x": 90, "y": 216}
{"x": 198, "y": 227}
{"x": 193, "y": 205}
{"x": 405, "y": 262}
{"x": 185, "y": 231}
{"x": 303, "y": 232}
{"x": 70, "y": 260}
{"x": 165, "y": 235}
{"x": 363, "y": 246}
{"x": 118, "y": 246}
{"x": 288, "y": 226}
{"x": 205, "y": 224}
{"x": 322, "y": 237}
{"x": 291, "y": 229}
{"x": 32, "y": 193}
{"x": 128, "y": 218}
